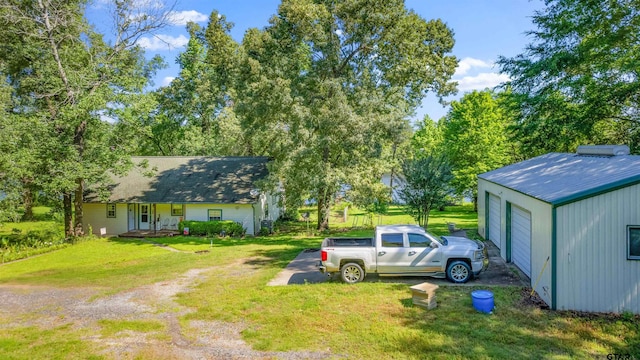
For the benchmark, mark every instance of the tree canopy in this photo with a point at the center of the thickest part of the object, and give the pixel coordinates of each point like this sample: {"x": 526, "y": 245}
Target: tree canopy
{"x": 475, "y": 139}
{"x": 64, "y": 79}
{"x": 578, "y": 81}
{"x": 327, "y": 84}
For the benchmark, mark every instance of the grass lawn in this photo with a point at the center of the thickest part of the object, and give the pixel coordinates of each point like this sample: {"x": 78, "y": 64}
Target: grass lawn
{"x": 368, "y": 320}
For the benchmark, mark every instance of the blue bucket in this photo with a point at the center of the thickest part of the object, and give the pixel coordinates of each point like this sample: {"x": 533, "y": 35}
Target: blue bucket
{"x": 482, "y": 300}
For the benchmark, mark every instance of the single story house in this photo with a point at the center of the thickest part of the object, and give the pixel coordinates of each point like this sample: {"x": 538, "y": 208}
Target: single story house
{"x": 571, "y": 223}
{"x": 174, "y": 188}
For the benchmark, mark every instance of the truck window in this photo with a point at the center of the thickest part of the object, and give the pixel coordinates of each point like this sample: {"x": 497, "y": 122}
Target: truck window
{"x": 419, "y": 240}
{"x": 392, "y": 240}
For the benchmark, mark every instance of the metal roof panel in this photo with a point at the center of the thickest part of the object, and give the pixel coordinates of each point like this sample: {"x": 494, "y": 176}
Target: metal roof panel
{"x": 559, "y": 177}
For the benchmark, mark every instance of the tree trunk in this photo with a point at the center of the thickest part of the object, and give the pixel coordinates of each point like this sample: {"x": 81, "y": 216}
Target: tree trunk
{"x": 78, "y": 230}
{"x": 324, "y": 207}
{"x": 27, "y": 202}
{"x": 67, "y": 205}
{"x": 475, "y": 203}
{"x": 393, "y": 170}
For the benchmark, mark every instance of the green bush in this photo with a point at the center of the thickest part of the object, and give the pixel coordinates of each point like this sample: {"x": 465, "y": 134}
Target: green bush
{"x": 20, "y": 245}
{"x": 207, "y": 228}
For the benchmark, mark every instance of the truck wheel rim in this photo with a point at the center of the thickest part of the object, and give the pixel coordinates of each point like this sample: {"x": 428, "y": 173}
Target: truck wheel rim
{"x": 352, "y": 273}
{"x": 459, "y": 272}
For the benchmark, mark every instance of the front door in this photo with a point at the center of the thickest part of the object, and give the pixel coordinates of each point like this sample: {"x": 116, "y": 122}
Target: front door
{"x": 422, "y": 257}
{"x": 131, "y": 219}
{"x": 145, "y": 216}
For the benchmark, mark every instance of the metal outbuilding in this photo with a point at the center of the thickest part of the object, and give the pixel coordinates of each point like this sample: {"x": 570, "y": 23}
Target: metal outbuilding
{"x": 571, "y": 223}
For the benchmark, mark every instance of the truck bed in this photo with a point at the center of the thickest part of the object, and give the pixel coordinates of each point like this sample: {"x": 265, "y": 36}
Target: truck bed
{"x": 338, "y": 242}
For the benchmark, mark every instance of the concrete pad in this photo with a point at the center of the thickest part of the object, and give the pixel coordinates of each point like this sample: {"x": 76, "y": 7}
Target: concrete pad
{"x": 302, "y": 270}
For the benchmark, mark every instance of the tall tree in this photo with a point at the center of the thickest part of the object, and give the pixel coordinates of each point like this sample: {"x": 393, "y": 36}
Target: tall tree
{"x": 578, "y": 81}
{"x": 475, "y": 139}
{"x": 196, "y": 114}
{"x": 427, "y": 139}
{"x": 66, "y": 75}
{"x": 326, "y": 84}
{"x": 427, "y": 184}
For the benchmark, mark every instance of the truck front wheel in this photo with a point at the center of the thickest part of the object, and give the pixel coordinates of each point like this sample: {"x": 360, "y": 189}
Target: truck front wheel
{"x": 351, "y": 273}
{"x": 459, "y": 272}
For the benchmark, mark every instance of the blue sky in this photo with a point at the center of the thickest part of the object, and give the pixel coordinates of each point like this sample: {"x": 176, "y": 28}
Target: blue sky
{"x": 483, "y": 30}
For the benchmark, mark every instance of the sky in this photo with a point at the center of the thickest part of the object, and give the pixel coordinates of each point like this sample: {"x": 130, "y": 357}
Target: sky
{"x": 483, "y": 31}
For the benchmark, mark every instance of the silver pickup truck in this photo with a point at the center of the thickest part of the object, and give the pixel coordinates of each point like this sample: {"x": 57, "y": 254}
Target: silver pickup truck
{"x": 406, "y": 250}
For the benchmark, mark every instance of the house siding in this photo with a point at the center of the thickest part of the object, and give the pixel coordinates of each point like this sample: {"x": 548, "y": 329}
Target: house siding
{"x": 593, "y": 273}
{"x": 239, "y": 213}
{"x": 95, "y": 216}
{"x": 541, "y": 228}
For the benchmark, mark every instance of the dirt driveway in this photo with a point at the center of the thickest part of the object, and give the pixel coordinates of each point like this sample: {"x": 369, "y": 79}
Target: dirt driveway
{"x": 50, "y": 307}
{"x": 303, "y": 270}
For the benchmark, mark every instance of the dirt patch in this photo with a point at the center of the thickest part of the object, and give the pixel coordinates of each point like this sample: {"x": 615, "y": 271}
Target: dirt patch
{"x": 49, "y": 307}
{"x": 532, "y": 300}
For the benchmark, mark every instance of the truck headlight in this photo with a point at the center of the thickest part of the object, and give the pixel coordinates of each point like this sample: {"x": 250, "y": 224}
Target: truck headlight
{"x": 478, "y": 255}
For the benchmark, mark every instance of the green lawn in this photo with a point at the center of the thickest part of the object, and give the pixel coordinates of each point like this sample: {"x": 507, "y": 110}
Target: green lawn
{"x": 368, "y": 320}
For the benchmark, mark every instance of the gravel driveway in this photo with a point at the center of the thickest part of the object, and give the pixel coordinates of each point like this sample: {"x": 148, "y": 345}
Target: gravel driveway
{"x": 49, "y": 307}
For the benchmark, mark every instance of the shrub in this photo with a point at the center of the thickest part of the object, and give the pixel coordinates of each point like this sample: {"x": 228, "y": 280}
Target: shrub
{"x": 208, "y": 228}
{"x": 20, "y": 245}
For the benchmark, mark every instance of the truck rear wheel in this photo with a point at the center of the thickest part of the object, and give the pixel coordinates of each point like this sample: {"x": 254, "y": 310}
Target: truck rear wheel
{"x": 459, "y": 272}
{"x": 351, "y": 273}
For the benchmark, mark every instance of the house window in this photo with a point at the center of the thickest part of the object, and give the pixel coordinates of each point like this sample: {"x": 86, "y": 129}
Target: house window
{"x": 392, "y": 240}
{"x": 176, "y": 209}
{"x": 633, "y": 242}
{"x": 111, "y": 210}
{"x": 215, "y": 215}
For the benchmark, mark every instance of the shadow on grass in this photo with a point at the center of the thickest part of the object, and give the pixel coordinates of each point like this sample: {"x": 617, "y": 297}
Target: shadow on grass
{"x": 514, "y": 330}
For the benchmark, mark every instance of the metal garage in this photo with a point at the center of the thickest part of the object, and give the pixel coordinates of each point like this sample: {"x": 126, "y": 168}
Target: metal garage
{"x": 569, "y": 221}
{"x": 521, "y": 239}
{"x": 494, "y": 220}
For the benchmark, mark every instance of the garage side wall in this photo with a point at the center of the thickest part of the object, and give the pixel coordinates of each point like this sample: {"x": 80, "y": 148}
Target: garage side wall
{"x": 541, "y": 229}
{"x": 593, "y": 271}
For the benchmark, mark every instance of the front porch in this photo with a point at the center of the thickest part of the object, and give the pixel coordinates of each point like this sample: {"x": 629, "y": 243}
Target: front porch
{"x": 149, "y": 233}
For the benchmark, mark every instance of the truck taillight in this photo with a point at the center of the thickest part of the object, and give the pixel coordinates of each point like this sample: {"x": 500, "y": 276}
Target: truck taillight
{"x": 323, "y": 255}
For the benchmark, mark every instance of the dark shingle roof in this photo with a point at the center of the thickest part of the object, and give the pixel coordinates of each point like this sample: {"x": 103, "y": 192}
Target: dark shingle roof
{"x": 189, "y": 179}
{"x": 558, "y": 178}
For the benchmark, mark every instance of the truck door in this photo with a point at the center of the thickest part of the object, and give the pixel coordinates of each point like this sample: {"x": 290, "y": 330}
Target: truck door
{"x": 422, "y": 257}
{"x": 392, "y": 254}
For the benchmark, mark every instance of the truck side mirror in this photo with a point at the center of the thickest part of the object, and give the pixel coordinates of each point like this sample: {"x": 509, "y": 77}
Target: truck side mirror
{"x": 433, "y": 245}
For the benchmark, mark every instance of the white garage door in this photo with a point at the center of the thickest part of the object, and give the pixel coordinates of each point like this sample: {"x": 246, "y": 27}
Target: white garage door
{"x": 494, "y": 219}
{"x": 521, "y": 239}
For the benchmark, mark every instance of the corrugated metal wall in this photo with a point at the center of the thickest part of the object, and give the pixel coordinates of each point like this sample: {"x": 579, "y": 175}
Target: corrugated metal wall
{"x": 540, "y": 230}
{"x": 592, "y": 267}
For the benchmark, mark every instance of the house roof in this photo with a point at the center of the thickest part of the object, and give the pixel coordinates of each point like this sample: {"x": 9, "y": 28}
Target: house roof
{"x": 560, "y": 178}
{"x": 188, "y": 179}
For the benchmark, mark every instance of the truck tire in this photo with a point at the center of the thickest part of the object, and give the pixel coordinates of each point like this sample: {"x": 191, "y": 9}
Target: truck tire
{"x": 351, "y": 273}
{"x": 459, "y": 272}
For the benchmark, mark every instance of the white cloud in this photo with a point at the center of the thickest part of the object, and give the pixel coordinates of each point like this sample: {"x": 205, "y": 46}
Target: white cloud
{"x": 181, "y": 18}
{"x": 167, "y": 80}
{"x": 163, "y": 42}
{"x": 137, "y": 4}
{"x": 468, "y": 63}
{"x": 481, "y": 81}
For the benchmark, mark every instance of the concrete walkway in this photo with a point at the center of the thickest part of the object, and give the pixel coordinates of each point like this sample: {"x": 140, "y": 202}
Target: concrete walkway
{"x": 303, "y": 270}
